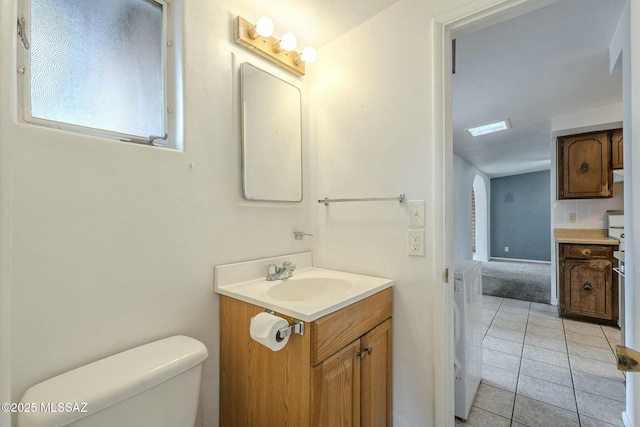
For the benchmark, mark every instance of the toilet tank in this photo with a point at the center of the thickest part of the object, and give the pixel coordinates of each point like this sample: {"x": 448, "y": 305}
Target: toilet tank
{"x": 154, "y": 385}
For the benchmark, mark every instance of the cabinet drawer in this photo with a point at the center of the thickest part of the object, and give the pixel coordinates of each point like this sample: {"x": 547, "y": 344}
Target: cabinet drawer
{"x": 334, "y": 331}
{"x": 587, "y": 252}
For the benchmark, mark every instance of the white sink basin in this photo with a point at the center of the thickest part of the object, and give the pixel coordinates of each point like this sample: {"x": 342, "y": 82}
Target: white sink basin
{"x": 311, "y": 288}
{"x": 308, "y": 295}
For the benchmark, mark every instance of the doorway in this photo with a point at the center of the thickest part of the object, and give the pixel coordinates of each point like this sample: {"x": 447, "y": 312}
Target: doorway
{"x": 467, "y": 21}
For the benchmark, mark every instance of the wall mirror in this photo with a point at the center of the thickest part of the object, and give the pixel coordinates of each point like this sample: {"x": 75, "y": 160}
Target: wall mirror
{"x": 271, "y": 137}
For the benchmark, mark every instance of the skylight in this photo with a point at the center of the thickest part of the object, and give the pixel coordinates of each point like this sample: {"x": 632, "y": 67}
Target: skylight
{"x": 490, "y": 128}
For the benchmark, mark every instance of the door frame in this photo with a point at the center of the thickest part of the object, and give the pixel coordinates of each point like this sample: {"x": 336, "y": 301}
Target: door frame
{"x": 463, "y": 20}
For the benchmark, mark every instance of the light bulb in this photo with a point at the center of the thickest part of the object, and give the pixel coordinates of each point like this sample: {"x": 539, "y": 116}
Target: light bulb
{"x": 308, "y": 54}
{"x": 264, "y": 28}
{"x": 288, "y": 42}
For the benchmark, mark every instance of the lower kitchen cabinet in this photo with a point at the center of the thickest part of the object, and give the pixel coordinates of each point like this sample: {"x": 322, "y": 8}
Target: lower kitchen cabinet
{"x": 587, "y": 287}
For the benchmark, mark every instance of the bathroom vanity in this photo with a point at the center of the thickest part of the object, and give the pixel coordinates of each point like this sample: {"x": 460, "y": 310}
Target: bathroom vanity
{"x": 337, "y": 373}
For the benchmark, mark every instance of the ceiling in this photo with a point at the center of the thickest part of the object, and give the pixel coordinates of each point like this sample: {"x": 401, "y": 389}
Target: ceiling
{"x": 543, "y": 64}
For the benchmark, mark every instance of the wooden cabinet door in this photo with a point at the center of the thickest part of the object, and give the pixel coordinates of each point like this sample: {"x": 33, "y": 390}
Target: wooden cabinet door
{"x": 375, "y": 386}
{"x": 588, "y": 288}
{"x": 335, "y": 389}
{"x": 617, "y": 150}
{"x": 583, "y": 166}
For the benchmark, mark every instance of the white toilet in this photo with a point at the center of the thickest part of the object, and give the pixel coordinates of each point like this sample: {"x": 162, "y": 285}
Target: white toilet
{"x": 154, "y": 385}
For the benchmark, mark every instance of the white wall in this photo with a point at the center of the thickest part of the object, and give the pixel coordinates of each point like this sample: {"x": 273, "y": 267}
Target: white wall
{"x": 464, "y": 176}
{"x": 373, "y": 119}
{"x": 106, "y": 245}
{"x": 113, "y": 245}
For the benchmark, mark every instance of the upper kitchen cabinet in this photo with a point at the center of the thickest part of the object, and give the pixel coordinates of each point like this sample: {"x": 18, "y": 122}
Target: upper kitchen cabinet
{"x": 617, "y": 155}
{"x": 584, "y": 166}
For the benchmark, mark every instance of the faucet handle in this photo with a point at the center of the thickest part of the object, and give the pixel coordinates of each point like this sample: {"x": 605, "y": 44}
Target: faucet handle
{"x": 271, "y": 269}
{"x": 288, "y": 266}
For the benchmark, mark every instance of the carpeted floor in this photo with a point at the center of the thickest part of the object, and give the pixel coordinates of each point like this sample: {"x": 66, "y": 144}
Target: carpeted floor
{"x": 527, "y": 281}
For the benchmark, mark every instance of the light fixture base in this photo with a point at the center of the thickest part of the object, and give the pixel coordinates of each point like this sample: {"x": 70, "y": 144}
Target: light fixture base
{"x": 263, "y": 46}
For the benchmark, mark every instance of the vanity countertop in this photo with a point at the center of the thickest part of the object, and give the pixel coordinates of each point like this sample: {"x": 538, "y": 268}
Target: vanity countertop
{"x": 245, "y": 281}
{"x": 584, "y": 236}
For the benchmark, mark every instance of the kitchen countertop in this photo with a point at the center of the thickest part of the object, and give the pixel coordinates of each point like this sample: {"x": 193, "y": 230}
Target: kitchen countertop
{"x": 585, "y": 236}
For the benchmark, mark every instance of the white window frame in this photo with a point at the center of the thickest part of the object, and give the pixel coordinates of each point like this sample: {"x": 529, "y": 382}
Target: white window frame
{"x": 170, "y": 87}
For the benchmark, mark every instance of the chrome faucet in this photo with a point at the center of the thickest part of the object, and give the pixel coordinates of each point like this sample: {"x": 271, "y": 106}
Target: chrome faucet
{"x": 278, "y": 273}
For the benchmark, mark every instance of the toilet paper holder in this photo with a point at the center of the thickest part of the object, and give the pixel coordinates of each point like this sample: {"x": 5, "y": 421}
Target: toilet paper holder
{"x": 295, "y": 327}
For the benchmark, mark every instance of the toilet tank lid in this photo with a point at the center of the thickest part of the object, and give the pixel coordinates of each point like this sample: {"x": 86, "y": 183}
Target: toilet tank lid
{"x": 111, "y": 380}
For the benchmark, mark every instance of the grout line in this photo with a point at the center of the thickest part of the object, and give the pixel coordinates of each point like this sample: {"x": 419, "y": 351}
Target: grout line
{"x": 573, "y": 384}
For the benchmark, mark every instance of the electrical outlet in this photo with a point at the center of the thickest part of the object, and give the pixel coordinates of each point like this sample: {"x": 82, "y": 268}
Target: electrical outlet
{"x": 572, "y": 217}
{"x": 506, "y": 248}
{"x": 415, "y": 242}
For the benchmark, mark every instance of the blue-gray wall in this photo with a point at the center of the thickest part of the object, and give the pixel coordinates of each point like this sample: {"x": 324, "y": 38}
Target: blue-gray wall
{"x": 521, "y": 216}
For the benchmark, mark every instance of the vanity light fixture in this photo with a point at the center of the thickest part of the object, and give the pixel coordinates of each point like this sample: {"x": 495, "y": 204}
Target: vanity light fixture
{"x": 490, "y": 128}
{"x": 280, "y": 51}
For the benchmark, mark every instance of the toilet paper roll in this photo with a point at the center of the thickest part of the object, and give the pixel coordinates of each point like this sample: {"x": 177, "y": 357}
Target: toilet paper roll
{"x": 264, "y": 328}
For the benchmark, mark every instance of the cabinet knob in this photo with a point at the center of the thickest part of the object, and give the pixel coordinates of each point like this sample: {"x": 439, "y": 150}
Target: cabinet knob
{"x": 587, "y": 287}
{"x": 363, "y": 354}
{"x": 584, "y": 167}
{"x": 586, "y": 252}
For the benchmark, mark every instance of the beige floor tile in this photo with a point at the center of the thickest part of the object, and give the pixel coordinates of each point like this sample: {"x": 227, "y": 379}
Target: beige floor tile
{"x": 612, "y": 334}
{"x": 534, "y": 413}
{"x": 546, "y": 342}
{"x": 505, "y": 346}
{"x": 606, "y": 387}
{"x": 510, "y": 325}
{"x": 507, "y": 334}
{"x": 511, "y": 317}
{"x": 592, "y": 422}
{"x": 542, "y": 331}
{"x": 595, "y": 367}
{"x": 508, "y": 302}
{"x": 481, "y": 418}
{"x": 546, "y": 323}
{"x": 604, "y": 354}
{"x": 544, "y": 383}
{"x": 547, "y": 372}
{"x": 583, "y": 328}
{"x": 600, "y": 408}
{"x": 494, "y": 400}
{"x": 500, "y": 378}
{"x": 491, "y": 301}
{"x": 501, "y": 360}
{"x": 545, "y": 355}
{"x": 587, "y": 339}
{"x": 513, "y": 310}
{"x": 544, "y": 308}
{"x": 547, "y": 392}
{"x": 545, "y": 315}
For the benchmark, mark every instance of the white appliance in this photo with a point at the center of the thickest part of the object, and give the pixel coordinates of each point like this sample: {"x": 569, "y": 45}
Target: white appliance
{"x": 467, "y": 280}
{"x": 616, "y": 227}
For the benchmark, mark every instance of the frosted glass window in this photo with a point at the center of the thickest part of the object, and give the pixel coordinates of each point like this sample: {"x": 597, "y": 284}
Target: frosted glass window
{"x": 98, "y": 64}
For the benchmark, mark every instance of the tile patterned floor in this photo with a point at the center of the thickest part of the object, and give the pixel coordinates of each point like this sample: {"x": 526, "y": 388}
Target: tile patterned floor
{"x": 541, "y": 370}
